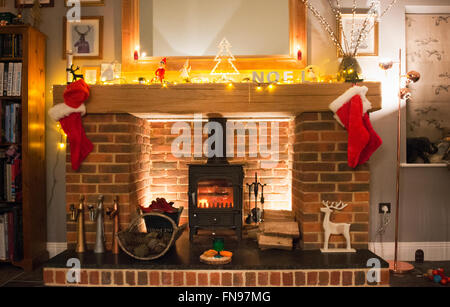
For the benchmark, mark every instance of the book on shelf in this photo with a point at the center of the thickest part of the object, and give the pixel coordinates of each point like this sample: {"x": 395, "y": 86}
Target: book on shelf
{"x": 9, "y": 89}
{"x": 11, "y": 45}
{"x": 10, "y": 129}
{"x": 16, "y": 181}
{"x": 11, "y": 181}
{"x": 10, "y": 235}
{"x": 2, "y": 238}
{"x": 17, "y": 80}
{"x": 5, "y": 79}
{"x": 11, "y": 79}
{"x": 8, "y": 183}
{"x": 2, "y": 71}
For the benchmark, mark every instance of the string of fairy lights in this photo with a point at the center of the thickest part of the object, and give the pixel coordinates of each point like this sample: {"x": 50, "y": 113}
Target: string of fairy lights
{"x": 350, "y": 48}
{"x": 346, "y": 48}
{"x": 325, "y": 25}
{"x": 63, "y": 137}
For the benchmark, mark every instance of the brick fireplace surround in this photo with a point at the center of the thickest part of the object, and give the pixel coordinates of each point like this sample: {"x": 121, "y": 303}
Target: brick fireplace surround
{"x": 132, "y": 159}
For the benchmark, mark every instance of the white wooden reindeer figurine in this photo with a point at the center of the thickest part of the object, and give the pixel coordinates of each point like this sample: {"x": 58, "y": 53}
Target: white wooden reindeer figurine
{"x": 334, "y": 228}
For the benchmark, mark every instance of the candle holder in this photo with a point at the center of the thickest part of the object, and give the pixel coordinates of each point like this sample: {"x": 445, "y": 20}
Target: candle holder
{"x": 218, "y": 246}
{"x": 218, "y": 255}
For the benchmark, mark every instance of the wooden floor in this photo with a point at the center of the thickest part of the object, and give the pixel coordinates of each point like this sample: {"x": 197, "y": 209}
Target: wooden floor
{"x": 414, "y": 279}
{"x": 11, "y": 276}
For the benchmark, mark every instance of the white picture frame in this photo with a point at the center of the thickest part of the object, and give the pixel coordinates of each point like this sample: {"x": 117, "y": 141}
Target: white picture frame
{"x": 84, "y": 38}
{"x": 368, "y": 47}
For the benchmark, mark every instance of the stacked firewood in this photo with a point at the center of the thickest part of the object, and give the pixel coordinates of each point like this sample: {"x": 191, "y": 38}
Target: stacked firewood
{"x": 145, "y": 244}
{"x": 278, "y": 231}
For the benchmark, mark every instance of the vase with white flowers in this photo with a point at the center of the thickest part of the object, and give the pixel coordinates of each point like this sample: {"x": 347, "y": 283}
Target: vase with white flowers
{"x": 349, "y": 69}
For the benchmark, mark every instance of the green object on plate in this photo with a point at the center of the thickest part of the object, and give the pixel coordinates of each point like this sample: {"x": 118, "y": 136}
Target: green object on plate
{"x": 218, "y": 244}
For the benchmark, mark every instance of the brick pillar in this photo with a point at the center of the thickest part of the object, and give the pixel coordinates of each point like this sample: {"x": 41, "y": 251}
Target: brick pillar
{"x": 119, "y": 165}
{"x": 320, "y": 172}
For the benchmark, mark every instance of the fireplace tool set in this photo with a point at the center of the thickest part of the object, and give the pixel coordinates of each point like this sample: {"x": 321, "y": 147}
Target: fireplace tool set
{"x": 256, "y": 214}
{"x": 96, "y": 213}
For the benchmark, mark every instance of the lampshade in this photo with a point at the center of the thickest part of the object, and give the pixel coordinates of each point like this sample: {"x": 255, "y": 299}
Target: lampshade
{"x": 413, "y": 76}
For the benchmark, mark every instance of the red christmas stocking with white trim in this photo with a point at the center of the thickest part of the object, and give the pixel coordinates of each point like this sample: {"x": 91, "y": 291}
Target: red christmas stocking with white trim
{"x": 69, "y": 115}
{"x": 374, "y": 141}
{"x": 351, "y": 111}
{"x": 80, "y": 145}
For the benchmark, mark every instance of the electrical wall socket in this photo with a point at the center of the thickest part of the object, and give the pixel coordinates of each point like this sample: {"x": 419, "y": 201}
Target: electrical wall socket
{"x": 388, "y": 205}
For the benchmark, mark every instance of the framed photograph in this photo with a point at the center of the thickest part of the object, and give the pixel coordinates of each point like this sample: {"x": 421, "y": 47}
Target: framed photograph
{"x": 84, "y": 38}
{"x": 91, "y": 74}
{"x": 90, "y": 2}
{"x": 369, "y": 46}
{"x": 29, "y": 3}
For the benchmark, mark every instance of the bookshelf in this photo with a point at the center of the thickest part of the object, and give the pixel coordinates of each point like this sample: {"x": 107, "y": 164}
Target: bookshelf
{"x": 31, "y": 207}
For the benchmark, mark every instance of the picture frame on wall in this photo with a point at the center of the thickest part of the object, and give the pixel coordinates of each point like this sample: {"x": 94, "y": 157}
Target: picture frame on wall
{"x": 29, "y": 3}
{"x": 90, "y": 2}
{"x": 84, "y": 38}
{"x": 369, "y": 46}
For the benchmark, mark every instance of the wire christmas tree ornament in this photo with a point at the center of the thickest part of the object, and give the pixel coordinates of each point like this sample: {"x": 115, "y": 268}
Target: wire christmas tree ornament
{"x": 224, "y": 66}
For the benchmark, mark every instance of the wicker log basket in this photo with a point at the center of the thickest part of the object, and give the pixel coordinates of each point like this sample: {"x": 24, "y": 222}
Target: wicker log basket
{"x": 131, "y": 239}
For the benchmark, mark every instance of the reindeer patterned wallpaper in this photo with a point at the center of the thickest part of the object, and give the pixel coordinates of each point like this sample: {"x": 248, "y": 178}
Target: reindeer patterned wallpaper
{"x": 428, "y": 52}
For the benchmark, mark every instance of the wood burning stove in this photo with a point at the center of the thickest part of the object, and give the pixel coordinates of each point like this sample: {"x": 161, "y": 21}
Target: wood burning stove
{"x": 216, "y": 193}
{"x": 215, "y": 197}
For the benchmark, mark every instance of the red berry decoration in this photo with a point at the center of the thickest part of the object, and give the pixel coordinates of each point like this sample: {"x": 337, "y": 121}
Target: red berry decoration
{"x": 435, "y": 272}
{"x": 160, "y": 205}
{"x": 444, "y": 282}
{"x": 440, "y": 270}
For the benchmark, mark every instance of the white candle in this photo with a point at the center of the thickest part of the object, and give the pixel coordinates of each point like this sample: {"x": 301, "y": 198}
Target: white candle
{"x": 69, "y": 65}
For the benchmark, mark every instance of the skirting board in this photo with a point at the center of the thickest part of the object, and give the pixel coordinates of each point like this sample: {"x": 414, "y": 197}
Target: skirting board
{"x": 56, "y": 248}
{"x": 434, "y": 251}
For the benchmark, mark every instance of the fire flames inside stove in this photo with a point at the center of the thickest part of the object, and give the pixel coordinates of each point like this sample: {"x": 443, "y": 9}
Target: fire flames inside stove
{"x": 215, "y": 194}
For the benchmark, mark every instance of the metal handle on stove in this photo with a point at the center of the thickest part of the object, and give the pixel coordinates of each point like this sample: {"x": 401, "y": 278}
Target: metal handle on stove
{"x": 194, "y": 197}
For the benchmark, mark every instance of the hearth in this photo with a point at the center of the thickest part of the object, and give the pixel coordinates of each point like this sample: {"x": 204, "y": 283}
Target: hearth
{"x": 181, "y": 267}
{"x": 215, "y": 192}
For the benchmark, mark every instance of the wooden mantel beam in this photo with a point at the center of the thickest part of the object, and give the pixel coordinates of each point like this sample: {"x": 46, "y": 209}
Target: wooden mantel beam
{"x": 242, "y": 100}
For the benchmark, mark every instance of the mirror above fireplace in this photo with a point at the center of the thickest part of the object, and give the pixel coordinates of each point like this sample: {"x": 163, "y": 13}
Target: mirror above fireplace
{"x": 196, "y": 27}
{"x": 273, "y": 35}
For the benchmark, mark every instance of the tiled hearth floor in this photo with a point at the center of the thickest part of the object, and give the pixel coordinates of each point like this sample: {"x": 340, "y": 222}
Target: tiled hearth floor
{"x": 247, "y": 259}
{"x": 250, "y": 267}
